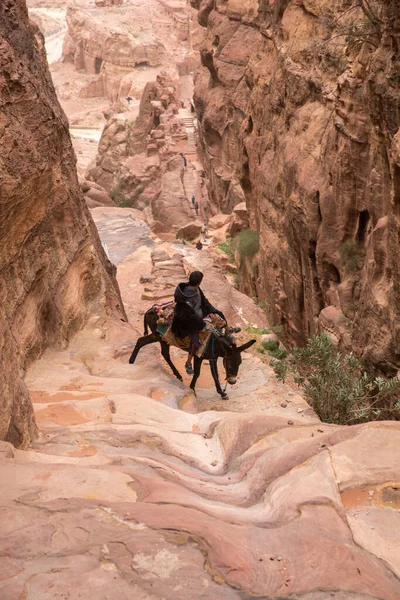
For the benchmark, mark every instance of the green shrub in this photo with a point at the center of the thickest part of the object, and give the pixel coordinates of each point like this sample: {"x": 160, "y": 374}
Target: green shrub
{"x": 337, "y": 386}
{"x": 228, "y": 248}
{"x": 352, "y": 256}
{"x": 270, "y": 346}
{"x": 273, "y": 350}
{"x": 247, "y": 243}
{"x": 279, "y": 354}
{"x": 116, "y": 194}
{"x": 256, "y": 330}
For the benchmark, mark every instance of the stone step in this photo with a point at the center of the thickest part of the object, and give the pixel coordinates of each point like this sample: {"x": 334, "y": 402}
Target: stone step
{"x": 170, "y": 263}
{"x": 164, "y": 297}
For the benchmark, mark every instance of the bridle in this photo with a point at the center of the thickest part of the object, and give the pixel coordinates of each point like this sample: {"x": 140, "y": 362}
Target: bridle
{"x": 217, "y": 334}
{"x": 213, "y": 363}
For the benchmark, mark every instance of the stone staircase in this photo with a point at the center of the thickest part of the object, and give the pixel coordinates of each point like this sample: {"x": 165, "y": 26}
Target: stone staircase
{"x": 186, "y": 119}
{"x": 191, "y": 187}
{"x": 190, "y": 179}
{"x": 166, "y": 272}
{"x": 191, "y": 143}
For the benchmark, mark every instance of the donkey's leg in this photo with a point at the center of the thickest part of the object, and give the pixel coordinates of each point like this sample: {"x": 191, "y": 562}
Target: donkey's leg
{"x": 143, "y": 341}
{"x": 197, "y": 368}
{"x": 167, "y": 358}
{"x": 214, "y": 373}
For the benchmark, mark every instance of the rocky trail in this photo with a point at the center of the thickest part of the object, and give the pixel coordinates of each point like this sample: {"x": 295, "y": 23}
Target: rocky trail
{"x": 192, "y": 188}
{"x": 138, "y": 490}
{"x": 187, "y": 119}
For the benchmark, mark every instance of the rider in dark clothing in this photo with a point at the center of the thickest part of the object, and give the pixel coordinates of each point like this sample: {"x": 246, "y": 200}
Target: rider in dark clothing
{"x": 191, "y": 307}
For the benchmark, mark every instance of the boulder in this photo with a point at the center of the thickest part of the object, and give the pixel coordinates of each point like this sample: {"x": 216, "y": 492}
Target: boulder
{"x": 240, "y": 211}
{"x": 219, "y": 221}
{"x": 190, "y": 231}
{"x": 236, "y": 226}
{"x": 100, "y": 196}
{"x": 92, "y": 203}
{"x": 219, "y": 236}
{"x": 270, "y": 337}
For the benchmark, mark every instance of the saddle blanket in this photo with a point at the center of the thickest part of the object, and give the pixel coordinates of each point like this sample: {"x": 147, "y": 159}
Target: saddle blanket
{"x": 212, "y": 321}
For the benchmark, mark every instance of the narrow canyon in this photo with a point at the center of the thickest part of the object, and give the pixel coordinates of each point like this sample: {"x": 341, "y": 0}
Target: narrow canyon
{"x": 256, "y": 141}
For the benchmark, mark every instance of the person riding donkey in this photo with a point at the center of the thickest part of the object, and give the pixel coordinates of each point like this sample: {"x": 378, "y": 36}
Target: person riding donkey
{"x": 190, "y": 309}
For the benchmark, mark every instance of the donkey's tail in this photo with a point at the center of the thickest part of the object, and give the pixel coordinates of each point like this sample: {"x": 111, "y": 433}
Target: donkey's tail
{"x": 145, "y": 322}
{"x": 146, "y": 328}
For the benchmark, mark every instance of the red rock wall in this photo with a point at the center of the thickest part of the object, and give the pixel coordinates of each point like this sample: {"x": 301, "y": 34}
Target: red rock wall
{"x": 298, "y": 104}
{"x": 94, "y": 43}
{"x": 53, "y": 272}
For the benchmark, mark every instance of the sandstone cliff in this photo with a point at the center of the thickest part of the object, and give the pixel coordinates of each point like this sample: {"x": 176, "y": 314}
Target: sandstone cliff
{"x": 53, "y": 272}
{"x": 97, "y": 45}
{"x": 298, "y": 104}
{"x": 138, "y": 160}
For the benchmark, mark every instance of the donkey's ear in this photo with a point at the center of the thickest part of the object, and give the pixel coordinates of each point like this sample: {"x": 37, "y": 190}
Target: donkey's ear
{"x": 246, "y": 346}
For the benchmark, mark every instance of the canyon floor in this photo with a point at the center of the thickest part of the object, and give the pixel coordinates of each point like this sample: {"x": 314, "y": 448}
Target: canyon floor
{"x": 138, "y": 489}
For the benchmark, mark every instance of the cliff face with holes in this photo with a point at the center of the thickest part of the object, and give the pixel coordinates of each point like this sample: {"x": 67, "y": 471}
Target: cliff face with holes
{"x": 94, "y": 43}
{"x": 298, "y": 103}
{"x": 53, "y": 272}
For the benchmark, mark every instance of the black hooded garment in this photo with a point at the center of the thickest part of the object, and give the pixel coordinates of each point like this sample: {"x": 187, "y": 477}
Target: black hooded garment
{"x": 186, "y": 319}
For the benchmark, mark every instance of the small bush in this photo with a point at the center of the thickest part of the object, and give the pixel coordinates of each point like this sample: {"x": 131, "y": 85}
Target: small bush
{"x": 277, "y": 329}
{"x": 269, "y": 346}
{"x": 228, "y": 248}
{"x": 279, "y": 354}
{"x": 256, "y": 330}
{"x": 273, "y": 350}
{"x": 118, "y": 196}
{"x": 352, "y": 256}
{"x": 336, "y": 385}
{"x": 247, "y": 243}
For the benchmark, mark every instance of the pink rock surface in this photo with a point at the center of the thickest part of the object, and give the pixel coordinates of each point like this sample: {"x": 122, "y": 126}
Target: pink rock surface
{"x": 127, "y": 494}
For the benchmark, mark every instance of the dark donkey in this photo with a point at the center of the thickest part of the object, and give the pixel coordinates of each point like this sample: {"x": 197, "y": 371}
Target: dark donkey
{"x": 219, "y": 347}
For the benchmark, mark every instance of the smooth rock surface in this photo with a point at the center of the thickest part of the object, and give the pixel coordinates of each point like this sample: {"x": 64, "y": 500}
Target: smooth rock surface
{"x": 137, "y": 489}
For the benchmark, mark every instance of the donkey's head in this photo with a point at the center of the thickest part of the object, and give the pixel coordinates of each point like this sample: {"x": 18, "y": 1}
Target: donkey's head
{"x": 233, "y": 358}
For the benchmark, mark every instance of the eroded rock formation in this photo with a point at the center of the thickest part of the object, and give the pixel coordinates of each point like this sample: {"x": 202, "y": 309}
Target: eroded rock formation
{"x": 53, "y": 272}
{"x": 138, "y": 161}
{"x": 93, "y": 43}
{"x": 298, "y": 103}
